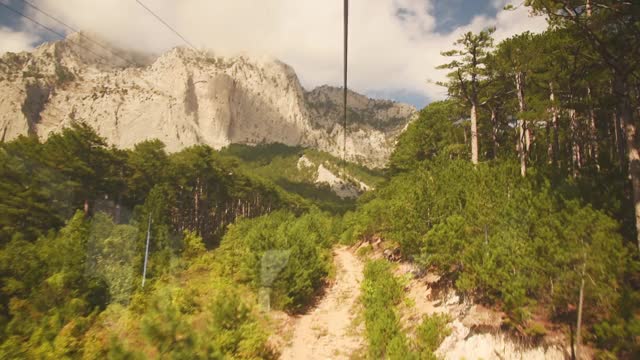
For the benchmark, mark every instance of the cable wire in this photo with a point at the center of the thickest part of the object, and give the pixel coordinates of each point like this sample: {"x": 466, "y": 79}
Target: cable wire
{"x": 166, "y": 24}
{"x": 63, "y": 36}
{"x": 78, "y": 32}
{"x": 105, "y": 61}
{"x": 52, "y": 30}
{"x": 346, "y": 59}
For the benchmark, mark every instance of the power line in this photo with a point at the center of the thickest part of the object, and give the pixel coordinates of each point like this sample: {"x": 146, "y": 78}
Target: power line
{"x": 77, "y": 31}
{"x": 30, "y": 19}
{"x": 51, "y": 30}
{"x": 346, "y": 59}
{"x": 63, "y": 36}
{"x": 166, "y": 24}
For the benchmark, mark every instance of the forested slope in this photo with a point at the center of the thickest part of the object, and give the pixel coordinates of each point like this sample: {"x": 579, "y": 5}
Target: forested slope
{"x": 519, "y": 244}
{"x": 75, "y": 215}
{"x": 520, "y": 192}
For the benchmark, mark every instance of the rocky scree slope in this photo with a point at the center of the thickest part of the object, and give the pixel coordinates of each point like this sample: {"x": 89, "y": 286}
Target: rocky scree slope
{"x": 186, "y": 97}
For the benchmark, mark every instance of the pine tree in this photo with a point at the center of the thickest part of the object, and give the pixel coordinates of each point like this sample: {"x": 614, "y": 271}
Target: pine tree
{"x": 515, "y": 58}
{"x": 467, "y": 74}
{"x": 612, "y": 29}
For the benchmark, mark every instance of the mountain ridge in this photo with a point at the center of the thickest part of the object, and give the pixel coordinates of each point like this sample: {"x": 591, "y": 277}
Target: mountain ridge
{"x": 186, "y": 97}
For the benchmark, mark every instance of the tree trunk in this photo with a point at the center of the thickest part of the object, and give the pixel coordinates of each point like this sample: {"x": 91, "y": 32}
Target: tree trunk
{"x": 579, "y": 322}
{"x": 464, "y": 134}
{"x": 196, "y": 205}
{"x": 527, "y": 137}
{"x": 594, "y": 148}
{"x": 522, "y": 148}
{"x": 637, "y": 99}
{"x": 576, "y": 157}
{"x": 626, "y": 118}
{"x": 474, "y": 133}
{"x": 618, "y": 129}
{"x": 494, "y": 132}
{"x": 547, "y": 131}
{"x": 118, "y": 210}
{"x": 555, "y": 142}
{"x": 616, "y": 136}
{"x": 524, "y": 137}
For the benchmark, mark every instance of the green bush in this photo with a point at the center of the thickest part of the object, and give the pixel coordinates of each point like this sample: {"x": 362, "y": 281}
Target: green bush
{"x": 520, "y": 244}
{"x": 287, "y": 254}
{"x": 433, "y": 134}
{"x": 364, "y": 251}
{"x": 63, "y": 75}
{"x": 381, "y": 292}
{"x": 52, "y": 307}
{"x": 193, "y": 245}
{"x": 235, "y": 330}
{"x": 430, "y": 334}
{"x": 227, "y": 328}
{"x": 501, "y": 238}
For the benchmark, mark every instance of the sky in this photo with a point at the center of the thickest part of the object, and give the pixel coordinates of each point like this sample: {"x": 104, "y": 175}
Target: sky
{"x": 394, "y": 45}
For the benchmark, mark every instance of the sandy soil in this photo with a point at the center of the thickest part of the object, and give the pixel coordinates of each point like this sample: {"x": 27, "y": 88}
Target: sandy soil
{"x": 329, "y": 330}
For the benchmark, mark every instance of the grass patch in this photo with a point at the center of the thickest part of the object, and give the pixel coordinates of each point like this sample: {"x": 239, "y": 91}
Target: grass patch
{"x": 383, "y": 293}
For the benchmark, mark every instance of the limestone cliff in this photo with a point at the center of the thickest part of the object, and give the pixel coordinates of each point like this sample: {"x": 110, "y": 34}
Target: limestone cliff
{"x": 186, "y": 97}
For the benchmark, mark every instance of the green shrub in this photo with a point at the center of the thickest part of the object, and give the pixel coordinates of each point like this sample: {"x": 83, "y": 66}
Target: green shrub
{"x": 234, "y": 330}
{"x": 287, "y": 254}
{"x": 381, "y": 292}
{"x": 225, "y": 328}
{"x": 193, "y": 245}
{"x": 536, "y": 330}
{"x": 501, "y": 238}
{"x": 364, "y": 251}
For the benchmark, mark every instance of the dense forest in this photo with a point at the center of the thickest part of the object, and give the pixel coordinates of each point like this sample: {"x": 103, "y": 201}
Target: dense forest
{"x": 75, "y": 216}
{"x": 521, "y": 190}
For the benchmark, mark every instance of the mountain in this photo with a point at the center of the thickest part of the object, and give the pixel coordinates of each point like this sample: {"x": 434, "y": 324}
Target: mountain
{"x": 314, "y": 175}
{"x": 186, "y": 97}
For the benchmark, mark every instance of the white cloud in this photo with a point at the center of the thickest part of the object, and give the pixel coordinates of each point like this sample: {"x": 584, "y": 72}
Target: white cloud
{"x": 387, "y": 53}
{"x": 15, "y": 41}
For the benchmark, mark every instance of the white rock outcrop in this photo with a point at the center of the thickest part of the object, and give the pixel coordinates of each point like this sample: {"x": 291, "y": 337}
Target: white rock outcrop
{"x": 475, "y": 330}
{"x": 344, "y": 185}
{"x": 339, "y": 186}
{"x": 186, "y": 97}
{"x": 462, "y": 344}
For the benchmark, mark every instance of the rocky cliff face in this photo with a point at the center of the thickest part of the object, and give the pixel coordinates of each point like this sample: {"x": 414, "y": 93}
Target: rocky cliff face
{"x": 186, "y": 97}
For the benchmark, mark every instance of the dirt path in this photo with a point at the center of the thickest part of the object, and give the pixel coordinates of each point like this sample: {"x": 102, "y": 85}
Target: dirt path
{"x": 328, "y": 331}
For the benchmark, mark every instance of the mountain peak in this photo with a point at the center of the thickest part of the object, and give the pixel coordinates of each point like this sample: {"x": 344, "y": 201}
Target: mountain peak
{"x": 383, "y": 115}
{"x": 185, "y": 97}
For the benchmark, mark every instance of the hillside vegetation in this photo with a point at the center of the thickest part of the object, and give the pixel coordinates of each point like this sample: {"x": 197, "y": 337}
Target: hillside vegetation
{"x": 75, "y": 215}
{"x": 281, "y": 165}
{"x": 520, "y": 192}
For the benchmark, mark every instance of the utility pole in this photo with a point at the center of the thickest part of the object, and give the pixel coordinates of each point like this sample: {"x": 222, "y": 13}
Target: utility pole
{"x": 146, "y": 253}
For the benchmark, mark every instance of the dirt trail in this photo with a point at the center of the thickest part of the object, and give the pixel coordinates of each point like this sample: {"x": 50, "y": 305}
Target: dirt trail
{"x": 328, "y": 331}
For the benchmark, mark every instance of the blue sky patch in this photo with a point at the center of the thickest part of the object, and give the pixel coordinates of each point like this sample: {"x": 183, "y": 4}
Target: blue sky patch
{"x": 451, "y": 14}
{"x": 10, "y": 19}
